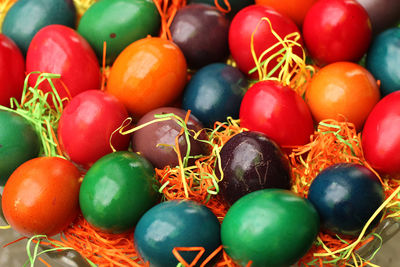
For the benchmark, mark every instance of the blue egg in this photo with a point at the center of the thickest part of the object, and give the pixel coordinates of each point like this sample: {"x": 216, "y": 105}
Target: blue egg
{"x": 26, "y": 17}
{"x": 383, "y": 60}
{"x": 176, "y": 224}
{"x": 214, "y": 93}
{"x": 346, "y": 195}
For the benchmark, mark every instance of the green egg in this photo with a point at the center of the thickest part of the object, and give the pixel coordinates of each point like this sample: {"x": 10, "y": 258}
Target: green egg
{"x": 118, "y": 23}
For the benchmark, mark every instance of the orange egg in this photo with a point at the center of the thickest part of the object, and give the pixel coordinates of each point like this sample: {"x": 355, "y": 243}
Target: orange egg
{"x": 342, "y": 91}
{"x": 294, "y": 9}
{"x": 148, "y": 74}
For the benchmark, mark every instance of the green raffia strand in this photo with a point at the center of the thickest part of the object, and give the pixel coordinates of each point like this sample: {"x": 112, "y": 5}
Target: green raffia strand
{"x": 337, "y": 135}
{"x": 38, "y": 111}
{"x": 280, "y": 63}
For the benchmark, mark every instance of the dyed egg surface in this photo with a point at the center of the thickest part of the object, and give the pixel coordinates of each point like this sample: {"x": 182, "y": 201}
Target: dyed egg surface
{"x": 270, "y": 227}
{"x": 12, "y": 80}
{"x": 18, "y": 143}
{"x": 294, "y": 9}
{"x": 235, "y": 5}
{"x": 117, "y": 190}
{"x": 278, "y": 112}
{"x": 337, "y": 30}
{"x": 215, "y": 93}
{"x": 382, "y": 60}
{"x": 61, "y": 50}
{"x": 174, "y": 224}
{"x": 381, "y": 136}
{"x": 156, "y": 141}
{"x": 201, "y": 32}
{"x": 251, "y": 161}
{"x": 244, "y": 24}
{"x": 149, "y": 73}
{"x": 383, "y": 13}
{"x": 87, "y": 123}
{"x": 345, "y": 196}
{"x": 119, "y": 23}
{"x": 342, "y": 91}
{"x": 26, "y": 17}
{"x": 41, "y": 197}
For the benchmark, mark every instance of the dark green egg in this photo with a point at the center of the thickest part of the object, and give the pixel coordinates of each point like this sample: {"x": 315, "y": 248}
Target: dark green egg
{"x": 26, "y": 17}
{"x": 18, "y": 143}
{"x": 118, "y": 23}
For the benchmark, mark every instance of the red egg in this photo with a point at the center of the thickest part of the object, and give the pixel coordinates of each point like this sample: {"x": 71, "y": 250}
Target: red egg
{"x": 245, "y": 23}
{"x": 12, "y": 70}
{"x": 87, "y": 123}
{"x": 61, "y": 50}
{"x": 278, "y": 112}
{"x": 337, "y": 30}
{"x": 381, "y": 136}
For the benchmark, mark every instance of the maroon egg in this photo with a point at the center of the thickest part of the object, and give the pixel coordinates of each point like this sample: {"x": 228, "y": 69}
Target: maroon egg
{"x": 156, "y": 141}
{"x": 201, "y": 32}
{"x": 250, "y": 162}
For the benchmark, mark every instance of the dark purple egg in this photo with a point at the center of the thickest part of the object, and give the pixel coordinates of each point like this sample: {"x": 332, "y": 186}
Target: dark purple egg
{"x": 250, "y": 162}
{"x": 156, "y": 141}
{"x": 201, "y": 32}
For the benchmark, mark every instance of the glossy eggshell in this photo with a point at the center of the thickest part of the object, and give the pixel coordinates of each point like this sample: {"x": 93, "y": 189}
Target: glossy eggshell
{"x": 383, "y": 13}
{"x": 235, "y": 5}
{"x": 382, "y": 60}
{"x": 26, "y": 17}
{"x": 12, "y": 80}
{"x": 381, "y": 136}
{"x": 176, "y": 224}
{"x": 345, "y": 196}
{"x": 251, "y": 161}
{"x": 278, "y": 112}
{"x": 148, "y": 74}
{"x": 201, "y": 32}
{"x": 87, "y": 123}
{"x": 156, "y": 141}
{"x": 215, "y": 92}
{"x": 18, "y": 143}
{"x": 245, "y": 23}
{"x": 117, "y": 190}
{"x": 119, "y": 23}
{"x": 270, "y": 227}
{"x": 61, "y": 50}
{"x": 337, "y": 30}
{"x": 342, "y": 91}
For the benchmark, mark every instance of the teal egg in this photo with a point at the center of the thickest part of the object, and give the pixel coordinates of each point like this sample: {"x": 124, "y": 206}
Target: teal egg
{"x": 26, "y": 17}
{"x": 118, "y": 23}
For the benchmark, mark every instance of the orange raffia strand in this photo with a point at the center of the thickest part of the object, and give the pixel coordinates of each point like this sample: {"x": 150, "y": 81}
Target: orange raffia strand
{"x": 220, "y": 8}
{"x": 167, "y": 10}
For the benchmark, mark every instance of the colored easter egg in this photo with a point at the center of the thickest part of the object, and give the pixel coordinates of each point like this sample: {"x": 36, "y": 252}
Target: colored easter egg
{"x": 342, "y": 91}
{"x": 278, "y": 112}
{"x": 201, "y": 32}
{"x": 150, "y": 73}
{"x": 61, "y": 50}
{"x": 270, "y": 227}
{"x": 251, "y": 161}
{"x": 337, "y": 30}
{"x": 345, "y": 196}
{"x": 383, "y": 13}
{"x": 382, "y": 60}
{"x": 117, "y": 190}
{"x": 215, "y": 92}
{"x": 173, "y": 224}
{"x": 86, "y": 126}
{"x": 119, "y": 23}
{"x": 244, "y": 24}
{"x": 12, "y": 76}
{"x": 26, "y": 17}
{"x": 381, "y": 136}
{"x": 156, "y": 141}
{"x": 235, "y": 5}
{"x": 294, "y": 9}
{"x": 18, "y": 143}
{"x": 41, "y": 197}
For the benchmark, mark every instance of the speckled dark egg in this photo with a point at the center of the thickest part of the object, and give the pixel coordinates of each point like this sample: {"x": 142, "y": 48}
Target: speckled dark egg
{"x": 251, "y": 161}
{"x": 156, "y": 141}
